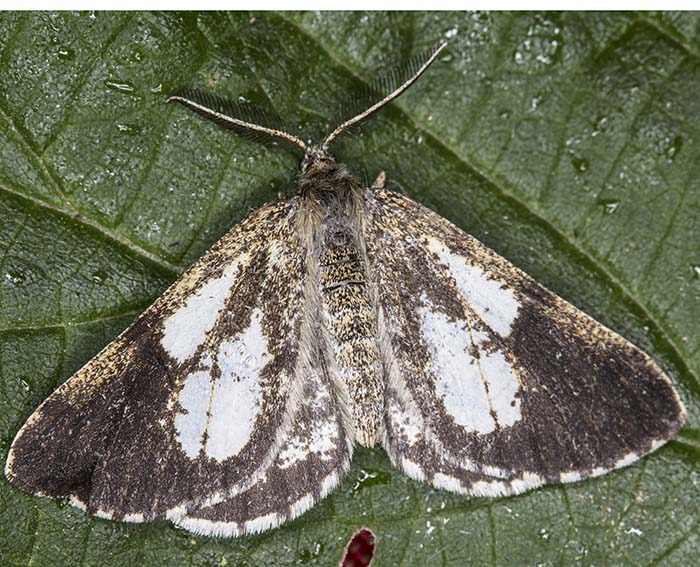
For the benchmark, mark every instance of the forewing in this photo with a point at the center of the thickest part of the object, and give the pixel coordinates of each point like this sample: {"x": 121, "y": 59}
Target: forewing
{"x": 495, "y": 384}
{"x": 195, "y": 398}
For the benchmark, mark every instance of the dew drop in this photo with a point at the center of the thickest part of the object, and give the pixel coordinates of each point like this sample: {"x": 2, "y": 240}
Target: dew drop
{"x": 120, "y": 86}
{"x": 580, "y": 164}
{"x": 129, "y": 129}
{"x": 99, "y": 277}
{"x": 451, "y": 33}
{"x": 609, "y": 205}
{"x": 673, "y": 147}
{"x": 600, "y": 124}
{"x": 542, "y": 45}
{"x": 310, "y": 554}
{"x": 15, "y": 277}
{"x": 26, "y": 384}
{"x": 137, "y": 56}
{"x": 536, "y": 101}
{"x": 370, "y": 477}
{"x": 66, "y": 53}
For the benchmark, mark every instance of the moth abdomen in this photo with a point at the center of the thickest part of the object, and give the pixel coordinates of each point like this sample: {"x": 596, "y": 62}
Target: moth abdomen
{"x": 349, "y": 315}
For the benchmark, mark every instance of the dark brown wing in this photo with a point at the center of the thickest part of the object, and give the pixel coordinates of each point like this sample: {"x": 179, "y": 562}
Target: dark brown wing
{"x": 495, "y": 384}
{"x": 199, "y": 398}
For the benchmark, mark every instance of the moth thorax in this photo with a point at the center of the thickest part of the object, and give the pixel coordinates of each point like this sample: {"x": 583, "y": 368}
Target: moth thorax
{"x": 327, "y": 178}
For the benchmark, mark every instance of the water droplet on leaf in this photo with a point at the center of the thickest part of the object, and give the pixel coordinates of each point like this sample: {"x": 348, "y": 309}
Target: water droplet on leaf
{"x": 66, "y": 53}
{"x": 370, "y": 477}
{"x": 15, "y": 277}
{"x": 600, "y": 124}
{"x": 120, "y": 86}
{"x": 100, "y": 276}
{"x": 609, "y": 205}
{"x": 542, "y": 45}
{"x": 309, "y": 554}
{"x": 129, "y": 129}
{"x": 580, "y": 164}
{"x": 673, "y": 147}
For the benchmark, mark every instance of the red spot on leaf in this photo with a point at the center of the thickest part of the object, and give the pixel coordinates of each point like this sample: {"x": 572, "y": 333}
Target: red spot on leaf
{"x": 360, "y": 550}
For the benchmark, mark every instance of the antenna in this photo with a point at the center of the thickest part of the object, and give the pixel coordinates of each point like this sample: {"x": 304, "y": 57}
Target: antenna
{"x": 420, "y": 64}
{"x": 254, "y": 122}
{"x": 224, "y": 112}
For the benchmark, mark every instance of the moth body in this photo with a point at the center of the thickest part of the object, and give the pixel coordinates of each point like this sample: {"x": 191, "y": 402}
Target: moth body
{"x": 332, "y": 212}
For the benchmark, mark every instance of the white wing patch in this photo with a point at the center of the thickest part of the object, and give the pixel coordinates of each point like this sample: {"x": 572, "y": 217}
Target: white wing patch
{"x": 191, "y": 423}
{"x": 478, "y": 393}
{"x": 224, "y": 408}
{"x": 496, "y": 305}
{"x": 187, "y": 328}
{"x": 322, "y": 439}
{"x": 503, "y": 387}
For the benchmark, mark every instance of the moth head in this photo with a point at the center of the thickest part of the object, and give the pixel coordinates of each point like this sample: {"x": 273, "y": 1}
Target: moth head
{"x": 316, "y": 159}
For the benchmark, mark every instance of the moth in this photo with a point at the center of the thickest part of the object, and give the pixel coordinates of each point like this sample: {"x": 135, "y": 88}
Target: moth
{"x": 343, "y": 315}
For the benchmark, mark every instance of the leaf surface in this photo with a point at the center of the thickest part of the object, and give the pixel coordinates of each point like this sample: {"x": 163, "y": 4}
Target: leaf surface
{"x": 567, "y": 142}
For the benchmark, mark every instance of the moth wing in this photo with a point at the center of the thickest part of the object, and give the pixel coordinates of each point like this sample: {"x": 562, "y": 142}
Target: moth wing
{"x": 309, "y": 464}
{"x": 495, "y": 384}
{"x": 196, "y": 398}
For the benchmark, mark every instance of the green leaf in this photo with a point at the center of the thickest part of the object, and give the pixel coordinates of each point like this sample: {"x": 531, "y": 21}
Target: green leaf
{"x": 569, "y": 143}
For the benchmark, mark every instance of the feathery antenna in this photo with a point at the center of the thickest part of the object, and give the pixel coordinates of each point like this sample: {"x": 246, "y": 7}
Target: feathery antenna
{"x": 224, "y": 112}
{"x": 254, "y": 122}
{"x": 422, "y": 63}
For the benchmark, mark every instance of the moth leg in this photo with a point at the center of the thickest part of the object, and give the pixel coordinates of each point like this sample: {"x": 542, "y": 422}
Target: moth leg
{"x": 380, "y": 181}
